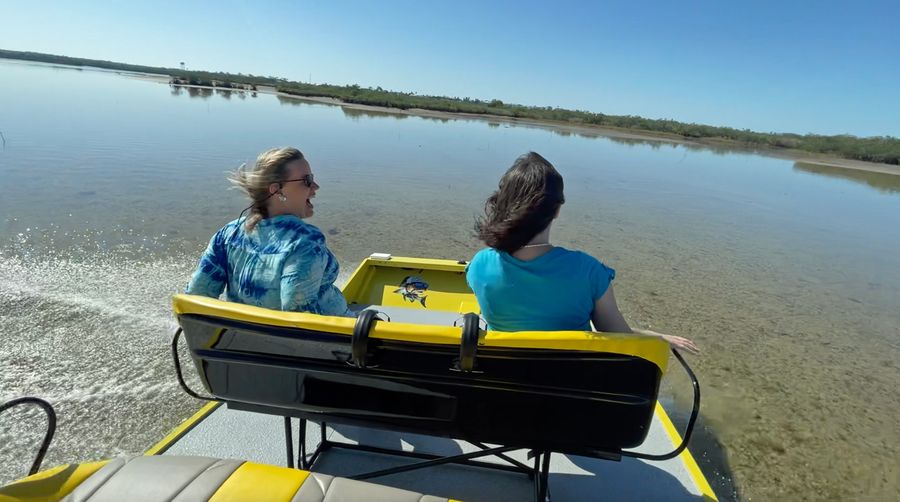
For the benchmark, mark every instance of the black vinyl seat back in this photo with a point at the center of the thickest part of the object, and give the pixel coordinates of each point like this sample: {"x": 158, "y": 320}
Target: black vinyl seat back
{"x": 570, "y": 401}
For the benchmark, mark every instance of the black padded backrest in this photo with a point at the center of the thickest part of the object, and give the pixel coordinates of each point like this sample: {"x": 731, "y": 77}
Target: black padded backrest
{"x": 569, "y": 401}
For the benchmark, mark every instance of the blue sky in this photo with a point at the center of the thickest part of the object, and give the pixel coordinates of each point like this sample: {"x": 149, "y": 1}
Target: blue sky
{"x": 796, "y": 66}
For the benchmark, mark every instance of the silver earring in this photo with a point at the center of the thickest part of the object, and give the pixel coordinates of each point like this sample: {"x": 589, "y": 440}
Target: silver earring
{"x": 282, "y": 197}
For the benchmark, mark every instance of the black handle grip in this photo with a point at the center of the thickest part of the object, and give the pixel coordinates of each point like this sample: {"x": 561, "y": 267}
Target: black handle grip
{"x": 468, "y": 346}
{"x": 359, "y": 344}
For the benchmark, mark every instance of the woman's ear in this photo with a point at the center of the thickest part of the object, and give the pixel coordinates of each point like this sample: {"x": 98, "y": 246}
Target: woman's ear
{"x": 274, "y": 188}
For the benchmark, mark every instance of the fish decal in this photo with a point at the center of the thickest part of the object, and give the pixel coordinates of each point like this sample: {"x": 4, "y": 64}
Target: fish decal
{"x": 413, "y": 288}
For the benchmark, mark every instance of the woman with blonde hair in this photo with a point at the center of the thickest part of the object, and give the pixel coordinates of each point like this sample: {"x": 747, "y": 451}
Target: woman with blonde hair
{"x": 525, "y": 283}
{"x": 272, "y": 258}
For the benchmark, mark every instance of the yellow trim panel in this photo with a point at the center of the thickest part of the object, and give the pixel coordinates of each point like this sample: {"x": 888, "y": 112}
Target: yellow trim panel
{"x": 202, "y": 305}
{"x": 653, "y": 349}
{"x": 50, "y": 485}
{"x": 252, "y": 482}
{"x": 176, "y": 433}
{"x": 690, "y": 464}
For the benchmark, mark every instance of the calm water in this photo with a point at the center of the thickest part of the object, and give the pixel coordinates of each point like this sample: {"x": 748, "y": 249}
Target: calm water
{"x": 788, "y": 276}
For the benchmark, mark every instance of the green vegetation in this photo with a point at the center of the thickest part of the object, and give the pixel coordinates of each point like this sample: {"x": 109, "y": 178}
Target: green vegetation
{"x": 884, "y": 149}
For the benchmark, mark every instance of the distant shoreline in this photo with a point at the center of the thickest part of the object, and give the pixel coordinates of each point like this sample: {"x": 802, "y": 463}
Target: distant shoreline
{"x": 583, "y": 129}
{"x": 557, "y": 126}
{"x": 610, "y": 132}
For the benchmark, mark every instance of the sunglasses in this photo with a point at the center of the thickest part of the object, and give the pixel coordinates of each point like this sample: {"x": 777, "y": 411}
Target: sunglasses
{"x": 307, "y": 180}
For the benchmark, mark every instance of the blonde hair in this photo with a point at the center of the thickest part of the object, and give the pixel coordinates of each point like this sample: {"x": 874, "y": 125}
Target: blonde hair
{"x": 269, "y": 168}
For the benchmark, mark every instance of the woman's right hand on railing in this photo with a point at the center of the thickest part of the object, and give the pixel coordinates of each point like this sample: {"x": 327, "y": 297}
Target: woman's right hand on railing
{"x": 678, "y": 342}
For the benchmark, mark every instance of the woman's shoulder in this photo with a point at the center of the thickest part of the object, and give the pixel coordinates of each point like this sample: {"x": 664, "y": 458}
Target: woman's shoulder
{"x": 485, "y": 260}
{"x": 580, "y": 257}
{"x": 229, "y": 230}
{"x": 485, "y": 253}
{"x": 484, "y": 256}
{"x": 233, "y": 225}
{"x": 293, "y": 228}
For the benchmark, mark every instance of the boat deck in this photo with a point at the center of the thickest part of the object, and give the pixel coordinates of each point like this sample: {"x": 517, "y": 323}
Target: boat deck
{"x": 217, "y": 431}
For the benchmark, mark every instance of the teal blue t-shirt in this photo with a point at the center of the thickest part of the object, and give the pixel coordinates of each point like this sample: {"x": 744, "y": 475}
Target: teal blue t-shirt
{"x": 556, "y": 291}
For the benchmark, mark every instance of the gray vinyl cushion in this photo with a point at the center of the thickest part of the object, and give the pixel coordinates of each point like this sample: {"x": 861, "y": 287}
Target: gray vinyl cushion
{"x": 187, "y": 479}
{"x": 324, "y": 488}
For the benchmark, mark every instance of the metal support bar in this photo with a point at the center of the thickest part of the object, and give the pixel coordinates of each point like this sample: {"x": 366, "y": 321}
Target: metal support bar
{"x": 541, "y": 476}
{"x": 435, "y": 462}
{"x": 315, "y": 456}
{"x": 429, "y": 456}
{"x": 323, "y": 445}
{"x": 695, "y": 411}
{"x": 289, "y": 442}
{"x": 539, "y": 473}
{"x": 178, "y": 374}
{"x": 520, "y": 465}
{"x": 301, "y": 445}
{"x": 544, "y": 475}
{"x": 51, "y": 426}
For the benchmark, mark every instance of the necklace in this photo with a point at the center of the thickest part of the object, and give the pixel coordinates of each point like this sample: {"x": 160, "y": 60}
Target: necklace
{"x": 536, "y": 245}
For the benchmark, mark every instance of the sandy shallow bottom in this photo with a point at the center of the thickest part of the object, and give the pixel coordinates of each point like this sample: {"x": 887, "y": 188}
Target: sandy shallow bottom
{"x": 804, "y": 411}
{"x": 791, "y": 296}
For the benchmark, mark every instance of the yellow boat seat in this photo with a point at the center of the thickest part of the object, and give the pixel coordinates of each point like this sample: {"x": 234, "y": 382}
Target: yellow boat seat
{"x": 165, "y": 478}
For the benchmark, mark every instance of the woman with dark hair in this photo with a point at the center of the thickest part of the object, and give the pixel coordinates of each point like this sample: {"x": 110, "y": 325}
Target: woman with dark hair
{"x": 525, "y": 283}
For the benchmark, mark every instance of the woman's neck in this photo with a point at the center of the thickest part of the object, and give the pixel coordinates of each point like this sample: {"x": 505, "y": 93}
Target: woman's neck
{"x": 273, "y": 210}
{"x": 538, "y": 245}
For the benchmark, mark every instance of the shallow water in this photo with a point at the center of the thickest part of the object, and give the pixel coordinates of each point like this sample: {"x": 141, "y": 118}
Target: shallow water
{"x": 787, "y": 276}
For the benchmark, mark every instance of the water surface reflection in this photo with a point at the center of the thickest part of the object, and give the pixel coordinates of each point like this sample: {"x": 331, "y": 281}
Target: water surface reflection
{"x": 786, "y": 275}
{"x": 882, "y": 182}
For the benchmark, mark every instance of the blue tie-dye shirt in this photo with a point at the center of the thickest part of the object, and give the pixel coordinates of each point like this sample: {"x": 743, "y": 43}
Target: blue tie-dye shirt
{"x": 282, "y": 264}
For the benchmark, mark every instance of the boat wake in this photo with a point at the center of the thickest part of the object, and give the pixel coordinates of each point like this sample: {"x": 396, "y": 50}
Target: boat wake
{"x": 91, "y": 337}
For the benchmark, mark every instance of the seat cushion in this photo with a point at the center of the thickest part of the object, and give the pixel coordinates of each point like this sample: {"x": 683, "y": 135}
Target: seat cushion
{"x": 186, "y": 479}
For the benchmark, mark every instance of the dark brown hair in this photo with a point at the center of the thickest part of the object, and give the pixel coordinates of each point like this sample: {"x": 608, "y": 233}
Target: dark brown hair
{"x": 526, "y": 201}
